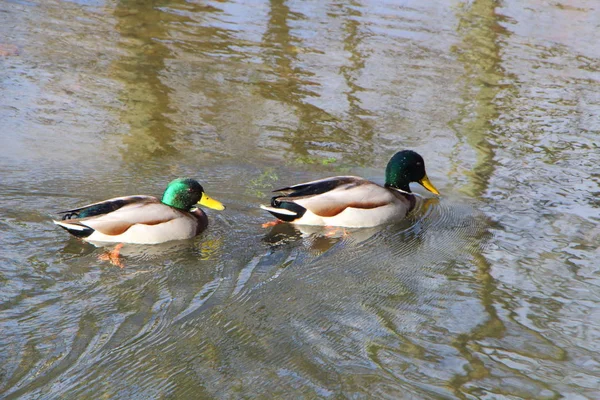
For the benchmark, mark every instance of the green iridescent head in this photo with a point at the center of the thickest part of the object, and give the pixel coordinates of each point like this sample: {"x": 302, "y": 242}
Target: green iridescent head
{"x": 186, "y": 193}
{"x": 404, "y": 167}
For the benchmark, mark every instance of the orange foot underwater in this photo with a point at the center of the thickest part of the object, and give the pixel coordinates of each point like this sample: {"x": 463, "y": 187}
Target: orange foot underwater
{"x": 333, "y": 231}
{"x": 272, "y": 223}
{"x": 113, "y": 256}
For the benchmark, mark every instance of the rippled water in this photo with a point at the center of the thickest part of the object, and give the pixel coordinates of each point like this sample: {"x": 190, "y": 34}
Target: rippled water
{"x": 490, "y": 291}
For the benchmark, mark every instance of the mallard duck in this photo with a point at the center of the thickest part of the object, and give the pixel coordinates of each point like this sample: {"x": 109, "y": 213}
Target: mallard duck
{"x": 351, "y": 201}
{"x": 143, "y": 219}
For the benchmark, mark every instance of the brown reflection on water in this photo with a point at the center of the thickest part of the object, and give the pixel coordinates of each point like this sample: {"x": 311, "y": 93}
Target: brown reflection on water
{"x": 484, "y": 80}
{"x": 358, "y": 116}
{"x": 289, "y": 82}
{"x": 144, "y": 97}
{"x": 479, "y": 52}
{"x": 167, "y": 67}
{"x": 318, "y": 133}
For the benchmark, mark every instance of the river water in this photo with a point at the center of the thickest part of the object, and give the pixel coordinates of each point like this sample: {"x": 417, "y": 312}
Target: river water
{"x": 491, "y": 291}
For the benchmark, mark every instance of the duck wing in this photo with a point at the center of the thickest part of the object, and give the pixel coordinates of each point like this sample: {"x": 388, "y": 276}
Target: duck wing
{"x": 106, "y": 206}
{"x": 319, "y": 186}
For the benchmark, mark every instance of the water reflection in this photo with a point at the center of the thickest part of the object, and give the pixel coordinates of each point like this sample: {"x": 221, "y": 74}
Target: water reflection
{"x": 319, "y": 132}
{"x": 484, "y": 78}
{"x": 480, "y": 26}
{"x": 361, "y": 118}
{"x": 145, "y": 97}
{"x": 289, "y": 84}
{"x": 450, "y": 304}
{"x": 479, "y": 52}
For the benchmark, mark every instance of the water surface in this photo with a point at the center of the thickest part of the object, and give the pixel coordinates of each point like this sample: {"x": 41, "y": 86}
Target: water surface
{"x": 490, "y": 291}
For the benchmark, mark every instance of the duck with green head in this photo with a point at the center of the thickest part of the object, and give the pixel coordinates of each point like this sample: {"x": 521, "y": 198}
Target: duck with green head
{"x": 351, "y": 201}
{"x": 143, "y": 219}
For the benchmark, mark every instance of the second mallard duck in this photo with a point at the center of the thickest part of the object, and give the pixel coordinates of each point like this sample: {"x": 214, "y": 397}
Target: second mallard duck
{"x": 143, "y": 219}
{"x": 351, "y": 201}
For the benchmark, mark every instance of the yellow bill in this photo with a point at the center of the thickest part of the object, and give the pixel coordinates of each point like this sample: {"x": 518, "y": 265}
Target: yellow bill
{"x": 210, "y": 203}
{"x": 426, "y": 183}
